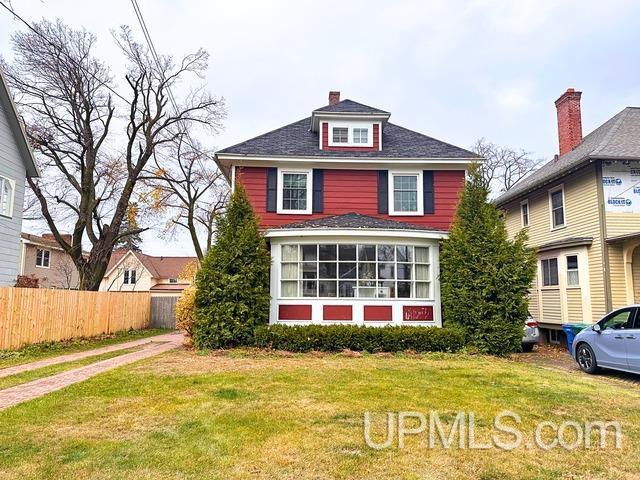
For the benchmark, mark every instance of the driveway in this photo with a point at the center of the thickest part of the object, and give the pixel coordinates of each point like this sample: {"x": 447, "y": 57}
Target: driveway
{"x": 558, "y": 358}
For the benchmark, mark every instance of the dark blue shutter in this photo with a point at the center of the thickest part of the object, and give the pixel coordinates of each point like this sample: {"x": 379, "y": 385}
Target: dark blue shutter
{"x": 427, "y": 191}
{"x": 383, "y": 191}
{"x": 318, "y": 190}
{"x": 272, "y": 189}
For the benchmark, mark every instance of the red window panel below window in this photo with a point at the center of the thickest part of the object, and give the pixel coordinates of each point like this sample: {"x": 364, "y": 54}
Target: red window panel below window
{"x": 378, "y": 313}
{"x": 337, "y": 312}
{"x": 294, "y": 312}
{"x": 417, "y": 313}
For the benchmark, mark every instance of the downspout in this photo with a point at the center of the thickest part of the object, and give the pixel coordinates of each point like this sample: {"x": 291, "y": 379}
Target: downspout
{"x": 603, "y": 239}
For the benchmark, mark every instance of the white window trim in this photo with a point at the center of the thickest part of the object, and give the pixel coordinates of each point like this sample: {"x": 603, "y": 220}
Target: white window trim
{"x": 558, "y": 263}
{"x": 12, "y": 185}
{"x": 128, "y": 280}
{"x": 522, "y": 203}
{"x": 558, "y": 188}
{"x": 566, "y": 270}
{"x": 419, "y": 187}
{"x": 350, "y": 126}
{"x": 309, "y": 209}
{"x": 49, "y": 263}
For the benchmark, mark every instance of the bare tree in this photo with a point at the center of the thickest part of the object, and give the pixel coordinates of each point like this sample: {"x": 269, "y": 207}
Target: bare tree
{"x": 66, "y": 272}
{"x": 503, "y": 167}
{"x": 93, "y": 142}
{"x": 193, "y": 191}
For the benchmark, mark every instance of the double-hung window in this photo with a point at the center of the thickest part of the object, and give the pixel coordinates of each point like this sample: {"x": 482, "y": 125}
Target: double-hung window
{"x": 356, "y": 270}
{"x": 129, "y": 277}
{"x": 6, "y": 197}
{"x": 406, "y": 197}
{"x": 550, "y": 272}
{"x": 556, "y": 200}
{"x": 43, "y": 257}
{"x": 294, "y": 194}
{"x": 524, "y": 213}
{"x": 573, "y": 277}
{"x": 340, "y": 135}
{"x": 361, "y": 135}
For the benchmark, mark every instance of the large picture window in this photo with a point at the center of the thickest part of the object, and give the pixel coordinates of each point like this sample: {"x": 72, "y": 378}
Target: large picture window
{"x": 356, "y": 270}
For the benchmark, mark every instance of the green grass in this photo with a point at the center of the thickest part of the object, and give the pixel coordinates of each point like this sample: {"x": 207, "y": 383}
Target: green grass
{"x": 39, "y": 351}
{"x": 254, "y": 415}
{"x": 31, "y": 375}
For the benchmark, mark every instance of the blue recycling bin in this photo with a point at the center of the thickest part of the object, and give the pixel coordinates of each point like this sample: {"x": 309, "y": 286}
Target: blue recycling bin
{"x": 570, "y": 331}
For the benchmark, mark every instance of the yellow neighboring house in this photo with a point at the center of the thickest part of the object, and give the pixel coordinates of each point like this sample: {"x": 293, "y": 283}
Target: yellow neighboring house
{"x": 132, "y": 271}
{"x": 582, "y": 213}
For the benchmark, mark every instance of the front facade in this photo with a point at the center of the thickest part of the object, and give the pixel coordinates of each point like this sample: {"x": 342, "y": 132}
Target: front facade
{"x": 43, "y": 259}
{"x": 353, "y": 208}
{"x": 133, "y": 271}
{"x": 582, "y": 213}
{"x": 16, "y": 164}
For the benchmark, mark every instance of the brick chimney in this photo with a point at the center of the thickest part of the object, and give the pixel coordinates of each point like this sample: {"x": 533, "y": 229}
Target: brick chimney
{"x": 67, "y": 237}
{"x": 569, "y": 120}
{"x": 334, "y": 97}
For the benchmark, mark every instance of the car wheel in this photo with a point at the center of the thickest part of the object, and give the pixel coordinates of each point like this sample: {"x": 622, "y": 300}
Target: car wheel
{"x": 527, "y": 347}
{"x": 586, "y": 358}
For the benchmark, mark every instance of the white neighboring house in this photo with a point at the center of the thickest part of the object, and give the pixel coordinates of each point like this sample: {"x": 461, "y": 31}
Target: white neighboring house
{"x": 16, "y": 164}
{"x": 131, "y": 271}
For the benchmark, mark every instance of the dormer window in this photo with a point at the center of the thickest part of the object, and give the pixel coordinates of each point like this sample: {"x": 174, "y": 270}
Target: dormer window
{"x": 340, "y": 135}
{"x": 360, "y": 135}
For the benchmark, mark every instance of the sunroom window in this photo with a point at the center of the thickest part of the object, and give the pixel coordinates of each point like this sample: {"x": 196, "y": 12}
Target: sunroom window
{"x": 355, "y": 270}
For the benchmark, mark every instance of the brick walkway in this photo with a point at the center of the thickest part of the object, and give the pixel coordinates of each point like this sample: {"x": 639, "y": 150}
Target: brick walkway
{"x": 37, "y": 388}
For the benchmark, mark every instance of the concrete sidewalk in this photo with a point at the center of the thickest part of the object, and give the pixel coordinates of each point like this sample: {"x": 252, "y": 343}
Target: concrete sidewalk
{"x": 37, "y": 388}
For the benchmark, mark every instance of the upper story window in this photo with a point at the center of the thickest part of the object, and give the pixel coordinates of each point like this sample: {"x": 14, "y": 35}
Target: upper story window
{"x": 43, "y": 257}
{"x": 556, "y": 205}
{"x": 6, "y": 197}
{"x": 294, "y": 195}
{"x": 173, "y": 280}
{"x": 407, "y": 194}
{"x": 129, "y": 277}
{"x": 360, "y": 135}
{"x": 524, "y": 213}
{"x": 340, "y": 135}
{"x": 550, "y": 272}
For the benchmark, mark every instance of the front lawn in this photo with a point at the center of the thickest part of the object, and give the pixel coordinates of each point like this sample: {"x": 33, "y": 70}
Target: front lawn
{"x": 244, "y": 415}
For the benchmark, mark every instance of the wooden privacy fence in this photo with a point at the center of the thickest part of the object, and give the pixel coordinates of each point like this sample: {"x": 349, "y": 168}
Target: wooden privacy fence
{"x": 163, "y": 312}
{"x": 32, "y": 315}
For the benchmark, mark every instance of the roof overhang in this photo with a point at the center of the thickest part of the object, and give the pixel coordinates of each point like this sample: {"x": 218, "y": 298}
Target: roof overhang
{"x": 622, "y": 238}
{"x": 318, "y": 116}
{"x": 277, "y": 233}
{"x": 17, "y": 129}
{"x": 566, "y": 243}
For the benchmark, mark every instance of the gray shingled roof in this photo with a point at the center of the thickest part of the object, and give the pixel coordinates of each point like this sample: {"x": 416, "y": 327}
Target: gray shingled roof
{"x": 617, "y": 138}
{"x": 349, "y": 106}
{"x": 296, "y": 139}
{"x": 355, "y": 220}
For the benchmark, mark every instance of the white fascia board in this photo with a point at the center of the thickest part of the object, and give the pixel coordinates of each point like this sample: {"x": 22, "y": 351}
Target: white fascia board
{"x": 260, "y": 160}
{"x": 355, "y": 232}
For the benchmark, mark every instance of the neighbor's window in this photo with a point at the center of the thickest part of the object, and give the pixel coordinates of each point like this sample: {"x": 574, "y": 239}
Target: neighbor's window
{"x": 356, "y": 270}
{"x": 340, "y": 135}
{"x": 360, "y": 135}
{"x": 6, "y": 196}
{"x": 524, "y": 213}
{"x": 556, "y": 198}
{"x": 42, "y": 258}
{"x": 129, "y": 277}
{"x": 294, "y": 191}
{"x": 173, "y": 280}
{"x": 405, "y": 193}
{"x": 573, "y": 279}
{"x": 550, "y": 272}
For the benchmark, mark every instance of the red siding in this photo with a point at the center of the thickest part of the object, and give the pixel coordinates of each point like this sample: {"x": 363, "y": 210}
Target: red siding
{"x": 337, "y": 312}
{"x": 348, "y": 191}
{"x": 294, "y": 312}
{"x": 417, "y": 313}
{"x": 378, "y": 313}
{"x": 325, "y": 141}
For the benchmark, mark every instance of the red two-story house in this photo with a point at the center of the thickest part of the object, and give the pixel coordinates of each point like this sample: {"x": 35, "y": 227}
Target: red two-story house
{"x": 353, "y": 208}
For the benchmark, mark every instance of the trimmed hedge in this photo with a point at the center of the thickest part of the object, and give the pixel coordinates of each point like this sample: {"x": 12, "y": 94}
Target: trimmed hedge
{"x": 334, "y": 338}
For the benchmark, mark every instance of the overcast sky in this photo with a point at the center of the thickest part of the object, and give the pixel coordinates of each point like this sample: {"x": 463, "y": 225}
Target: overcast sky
{"x": 454, "y": 70}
